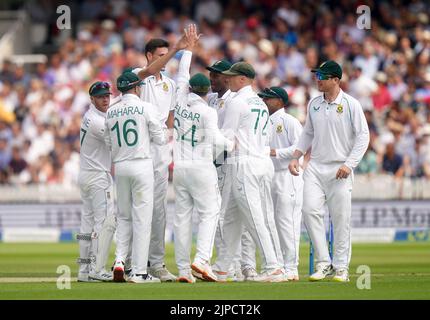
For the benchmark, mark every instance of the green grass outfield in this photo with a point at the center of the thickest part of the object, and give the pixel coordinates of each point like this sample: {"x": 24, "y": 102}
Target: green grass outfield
{"x": 399, "y": 271}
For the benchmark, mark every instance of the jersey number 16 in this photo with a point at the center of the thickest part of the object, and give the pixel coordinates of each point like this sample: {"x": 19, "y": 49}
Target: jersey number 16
{"x": 126, "y": 132}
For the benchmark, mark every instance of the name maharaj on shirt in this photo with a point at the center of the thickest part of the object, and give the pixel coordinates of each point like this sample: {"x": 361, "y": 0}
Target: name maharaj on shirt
{"x": 126, "y": 111}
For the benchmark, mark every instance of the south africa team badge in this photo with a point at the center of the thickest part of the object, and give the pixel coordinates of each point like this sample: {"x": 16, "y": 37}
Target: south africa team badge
{"x": 339, "y": 108}
{"x": 165, "y": 87}
{"x": 279, "y": 128}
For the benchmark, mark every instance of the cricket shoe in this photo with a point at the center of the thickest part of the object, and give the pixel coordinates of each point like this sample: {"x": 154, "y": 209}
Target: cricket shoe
{"x": 277, "y": 275}
{"x": 162, "y": 273}
{"x": 143, "y": 278}
{"x": 186, "y": 277}
{"x": 197, "y": 275}
{"x": 292, "y": 275}
{"x": 128, "y": 273}
{"x": 250, "y": 274}
{"x": 102, "y": 275}
{"x": 118, "y": 271}
{"x": 235, "y": 276}
{"x": 322, "y": 272}
{"x": 83, "y": 277}
{"x": 221, "y": 276}
{"x": 341, "y": 275}
{"x": 205, "y": 270}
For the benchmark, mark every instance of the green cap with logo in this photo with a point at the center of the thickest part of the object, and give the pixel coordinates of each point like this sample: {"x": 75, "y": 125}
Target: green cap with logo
{"x": 127, "y": 80}
{"x": 219, "y": 66}
{"x": 276, "y": 93}
{"x": 329, "y": 68}
{"x": 199, "y": 83}
{"x": 241, "y": 69}
{"x": 99, "y": 88}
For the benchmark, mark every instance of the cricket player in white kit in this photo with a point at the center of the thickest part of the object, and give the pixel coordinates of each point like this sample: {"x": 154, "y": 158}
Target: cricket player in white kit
{"x": 130, "y": 126}
{"x": 159, "y": 90}
{"x": 337, "y": 130}
{"x": 96, "y": 187}
{"x": 287, "y": 190}
{"x": 247, "y": 121}
{"x": 219, "y": 99}
{"x": 195, "y": 177}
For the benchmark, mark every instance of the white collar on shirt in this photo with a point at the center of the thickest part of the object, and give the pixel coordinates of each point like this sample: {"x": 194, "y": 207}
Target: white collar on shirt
{"x": 226, "y": 94}
{"x": 163, "y": 78}
{"x": 338, "y": 99}
{"x": 194, "y": 97}
{"x": 245, "y": 89}
{"x": 93, "y": 107}
{"x": 130, "y": 96}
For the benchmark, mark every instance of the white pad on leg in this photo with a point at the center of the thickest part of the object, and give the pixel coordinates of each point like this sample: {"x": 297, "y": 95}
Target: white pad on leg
{"x": 104, "y": 242}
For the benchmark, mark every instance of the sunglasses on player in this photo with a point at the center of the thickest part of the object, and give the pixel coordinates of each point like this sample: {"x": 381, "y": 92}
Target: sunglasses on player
{"x": 321, "y": 76}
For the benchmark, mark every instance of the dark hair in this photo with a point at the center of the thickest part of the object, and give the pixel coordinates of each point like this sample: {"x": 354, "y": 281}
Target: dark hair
{"x": 153, "y": 44}
{"x": 200, "y": 94}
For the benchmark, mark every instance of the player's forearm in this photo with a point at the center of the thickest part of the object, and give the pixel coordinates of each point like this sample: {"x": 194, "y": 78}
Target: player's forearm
{"x": 305, "y": 142}
{"x": 286, "y": 153}
{"x": 359, "y": 149}
{"x": 157, "y": 65}
{"x": 297, "y": 154}
{"x": 170, "y": 120}
{"x": 184, "y": 66}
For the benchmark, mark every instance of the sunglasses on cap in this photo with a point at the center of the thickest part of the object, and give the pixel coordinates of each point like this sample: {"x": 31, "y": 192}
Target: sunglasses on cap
{"x": 321, "y": 76}
{"x": 271, "y": 92}
{"x": 100, "y": 85}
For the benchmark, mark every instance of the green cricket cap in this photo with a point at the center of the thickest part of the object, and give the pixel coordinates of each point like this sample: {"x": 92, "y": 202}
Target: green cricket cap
{"x": 127, "y": 80}
{"x": 99, "y": 88}
{"x": 219, "y": 66}
{"x": 275, "y": 92}
{"x": 241, "y": 69}
{"x": 330, "y": 68}
{"x": 200, "y": 83}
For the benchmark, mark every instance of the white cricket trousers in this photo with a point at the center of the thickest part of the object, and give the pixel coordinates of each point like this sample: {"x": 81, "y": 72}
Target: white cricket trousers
{"x": 245, "y": 255}
{"x": 320, "y": 187}
{"x": 196, "y": 188}
{"x": 97, "y": 219}
{"x": 287, "y": 195}
{"x": 248, "y": 207}
{"x": 135, "y": 189}
{"x": 161, "y": 159}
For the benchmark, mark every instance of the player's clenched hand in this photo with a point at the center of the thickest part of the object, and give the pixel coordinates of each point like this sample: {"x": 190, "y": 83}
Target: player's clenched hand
{"x": 294, "y": 167}
{"x": 343, "y": 172}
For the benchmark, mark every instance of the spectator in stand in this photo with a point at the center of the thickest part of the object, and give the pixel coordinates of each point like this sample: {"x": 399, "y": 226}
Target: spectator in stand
{"x": 369, "y": 163}
{"x": 5, "y": 153}
{"x": 392, "y": 163}
{"x": 362, "y": 88}
{"x": 16, "y": 166}
{"x": 283, "y": 39}
{"x": 381, "y": 98}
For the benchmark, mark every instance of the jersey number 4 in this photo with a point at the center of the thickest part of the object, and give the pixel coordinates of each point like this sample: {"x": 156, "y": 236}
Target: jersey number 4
{"x": 260, "y": 113}
{"x": 184, "y": 137}
{"x": 126, "y": 133}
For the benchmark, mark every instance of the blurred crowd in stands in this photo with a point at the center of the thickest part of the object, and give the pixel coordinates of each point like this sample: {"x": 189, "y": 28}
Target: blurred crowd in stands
{"x": 387, "y": 68}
